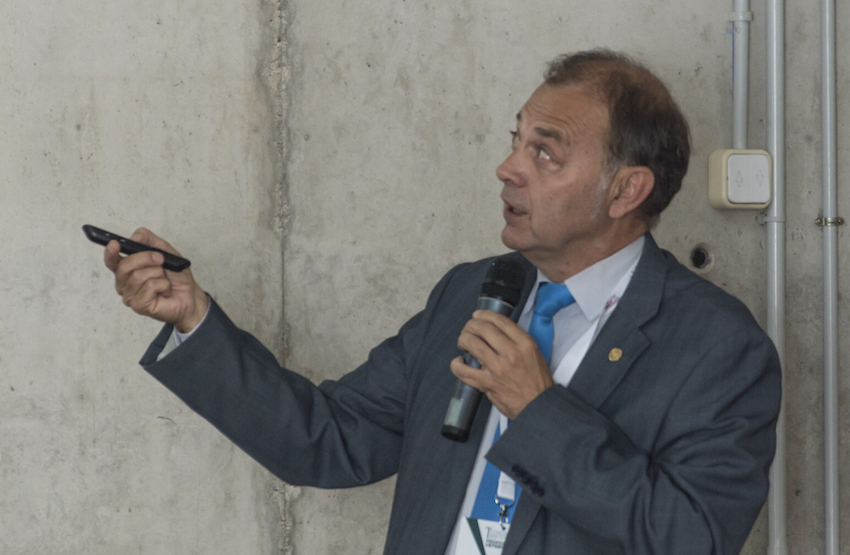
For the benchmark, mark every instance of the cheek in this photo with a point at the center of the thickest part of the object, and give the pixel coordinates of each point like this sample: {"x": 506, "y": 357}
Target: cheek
{"x": 556, "y": 203}
{"x": 549, "y": 219}
{"x": 557, "y": 214}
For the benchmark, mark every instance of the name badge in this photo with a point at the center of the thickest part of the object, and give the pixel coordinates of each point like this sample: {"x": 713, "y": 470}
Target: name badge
{"x": 482, "y": 537}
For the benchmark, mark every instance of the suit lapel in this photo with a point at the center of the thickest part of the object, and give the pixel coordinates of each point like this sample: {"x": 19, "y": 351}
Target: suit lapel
{"x": 621, "y": 340}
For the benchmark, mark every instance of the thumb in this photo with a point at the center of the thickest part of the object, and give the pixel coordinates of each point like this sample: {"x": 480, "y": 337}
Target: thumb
{"x": 147, "y": 237}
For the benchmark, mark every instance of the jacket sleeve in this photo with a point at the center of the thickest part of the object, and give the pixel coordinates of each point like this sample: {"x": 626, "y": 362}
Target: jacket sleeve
{"x": 680, "y": 472}
{"x": 340, "y": 434}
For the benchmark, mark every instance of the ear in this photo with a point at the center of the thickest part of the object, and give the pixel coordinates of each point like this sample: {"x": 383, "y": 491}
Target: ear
{"x": 631, "y": 186}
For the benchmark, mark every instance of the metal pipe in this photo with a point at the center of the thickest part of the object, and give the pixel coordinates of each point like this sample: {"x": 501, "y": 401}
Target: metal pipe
{"x": 741, "y": 17}
{"x": 775, "y": 222}
{"x": 830, "y": 276}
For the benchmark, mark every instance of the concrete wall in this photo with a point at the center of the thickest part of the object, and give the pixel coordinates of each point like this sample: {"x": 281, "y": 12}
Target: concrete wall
{"x": 357, "y": 143}
{"x": 121, "y": 114}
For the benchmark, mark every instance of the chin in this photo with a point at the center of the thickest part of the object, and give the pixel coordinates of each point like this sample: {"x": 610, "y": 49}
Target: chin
{"x": 510, "y": 240}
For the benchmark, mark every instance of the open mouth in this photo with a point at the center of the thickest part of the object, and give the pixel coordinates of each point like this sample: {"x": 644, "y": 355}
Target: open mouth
{"x": 511, "y": 209}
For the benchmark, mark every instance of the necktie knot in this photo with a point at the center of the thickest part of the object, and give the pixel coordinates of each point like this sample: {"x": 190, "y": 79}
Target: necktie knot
{"x": 551, "y": 297}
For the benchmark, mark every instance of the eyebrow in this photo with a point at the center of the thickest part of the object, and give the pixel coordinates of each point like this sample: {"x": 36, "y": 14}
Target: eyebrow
{"x": 547, "y": 133}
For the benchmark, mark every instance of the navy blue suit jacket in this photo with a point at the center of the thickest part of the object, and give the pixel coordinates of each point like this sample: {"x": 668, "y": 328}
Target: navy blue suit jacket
{"x": 664, "y": 450}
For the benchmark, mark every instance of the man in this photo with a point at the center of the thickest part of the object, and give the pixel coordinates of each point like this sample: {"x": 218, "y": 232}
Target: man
{"x": 644, "y": 424}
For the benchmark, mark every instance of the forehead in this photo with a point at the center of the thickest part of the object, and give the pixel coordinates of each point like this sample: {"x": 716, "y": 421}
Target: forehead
{"x": 568, "y": 112}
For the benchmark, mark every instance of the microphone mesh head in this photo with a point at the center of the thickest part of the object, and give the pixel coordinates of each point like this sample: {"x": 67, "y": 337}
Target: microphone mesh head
{"x": 504, "y": 281}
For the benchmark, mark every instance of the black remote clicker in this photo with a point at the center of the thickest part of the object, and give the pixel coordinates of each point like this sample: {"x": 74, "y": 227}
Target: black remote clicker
{"x": 102, "y": 237}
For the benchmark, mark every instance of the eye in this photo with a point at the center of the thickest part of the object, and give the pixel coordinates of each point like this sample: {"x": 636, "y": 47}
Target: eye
{"x": 514, "y": 136}
{"x": 543, "y": 155}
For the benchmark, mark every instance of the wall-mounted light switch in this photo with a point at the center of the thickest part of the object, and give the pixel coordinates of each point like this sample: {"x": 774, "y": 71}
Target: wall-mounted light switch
{"x": 739, "y": 179}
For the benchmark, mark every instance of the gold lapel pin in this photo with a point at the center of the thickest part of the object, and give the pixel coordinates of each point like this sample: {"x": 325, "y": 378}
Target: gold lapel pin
{"x": 615, "y": 354}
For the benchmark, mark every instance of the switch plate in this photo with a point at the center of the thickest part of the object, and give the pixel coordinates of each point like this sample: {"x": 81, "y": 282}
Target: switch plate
{"x": 739, "y": 179}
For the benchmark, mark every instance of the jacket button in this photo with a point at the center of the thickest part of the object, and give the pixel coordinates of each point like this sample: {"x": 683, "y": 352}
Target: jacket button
{"x": 520, "y": 473}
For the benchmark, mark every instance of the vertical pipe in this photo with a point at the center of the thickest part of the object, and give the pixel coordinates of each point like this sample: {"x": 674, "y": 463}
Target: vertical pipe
{"x": 830, "y": 285}
{"x": 740, "y": 70}
{"x": 775, "y": 222}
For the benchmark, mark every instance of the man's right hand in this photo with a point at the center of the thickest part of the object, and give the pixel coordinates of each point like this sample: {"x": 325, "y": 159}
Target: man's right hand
{"x": 151, "y": 290}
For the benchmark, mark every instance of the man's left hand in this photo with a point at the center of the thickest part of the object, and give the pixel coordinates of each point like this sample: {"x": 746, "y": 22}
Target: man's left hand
{"x": 513, "y": 371}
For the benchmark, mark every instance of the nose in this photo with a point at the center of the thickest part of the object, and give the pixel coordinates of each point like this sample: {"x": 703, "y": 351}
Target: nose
{"x": 509, "y": 170}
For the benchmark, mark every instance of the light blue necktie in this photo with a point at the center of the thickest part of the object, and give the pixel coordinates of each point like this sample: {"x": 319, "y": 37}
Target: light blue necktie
{"x": 487, "y": 506}
{"x": 551, "y": 297}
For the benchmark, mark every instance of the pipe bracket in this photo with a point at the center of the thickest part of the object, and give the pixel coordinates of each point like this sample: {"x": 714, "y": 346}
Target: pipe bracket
{"x": 827, "y": 222}
{"x": 741, "y": 16}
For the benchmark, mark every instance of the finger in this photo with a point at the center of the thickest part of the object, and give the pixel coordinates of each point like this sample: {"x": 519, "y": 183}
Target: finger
{"x": 112, "y": 255}
{"x": 130, "y": 278}
{"x": 505, "y": 325}
{"x": 116, "y": 263}
{"x": 128, "y": 282}
{"x": 474, "y": 377}
{"x": 506, "y": 334}
{"x": 144, "y": 299}
{"x": 478, "y": 340}
{"x": 127, "y": 265}
{"x": 147, "y": 237}
{"x": 494, "y": 338}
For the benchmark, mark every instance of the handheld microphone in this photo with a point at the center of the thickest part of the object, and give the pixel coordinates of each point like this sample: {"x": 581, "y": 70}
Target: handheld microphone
{"x": 500, "y": 292}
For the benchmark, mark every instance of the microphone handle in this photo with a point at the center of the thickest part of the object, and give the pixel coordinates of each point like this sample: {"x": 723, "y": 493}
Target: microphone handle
{"x": 465, "y": 400}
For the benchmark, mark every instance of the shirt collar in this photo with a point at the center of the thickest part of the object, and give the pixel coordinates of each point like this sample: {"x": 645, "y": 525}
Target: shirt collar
{"x": 593, "y": 286}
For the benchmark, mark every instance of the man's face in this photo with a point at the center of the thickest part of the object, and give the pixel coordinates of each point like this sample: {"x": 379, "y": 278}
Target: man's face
{"x": 555, "y": 183}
